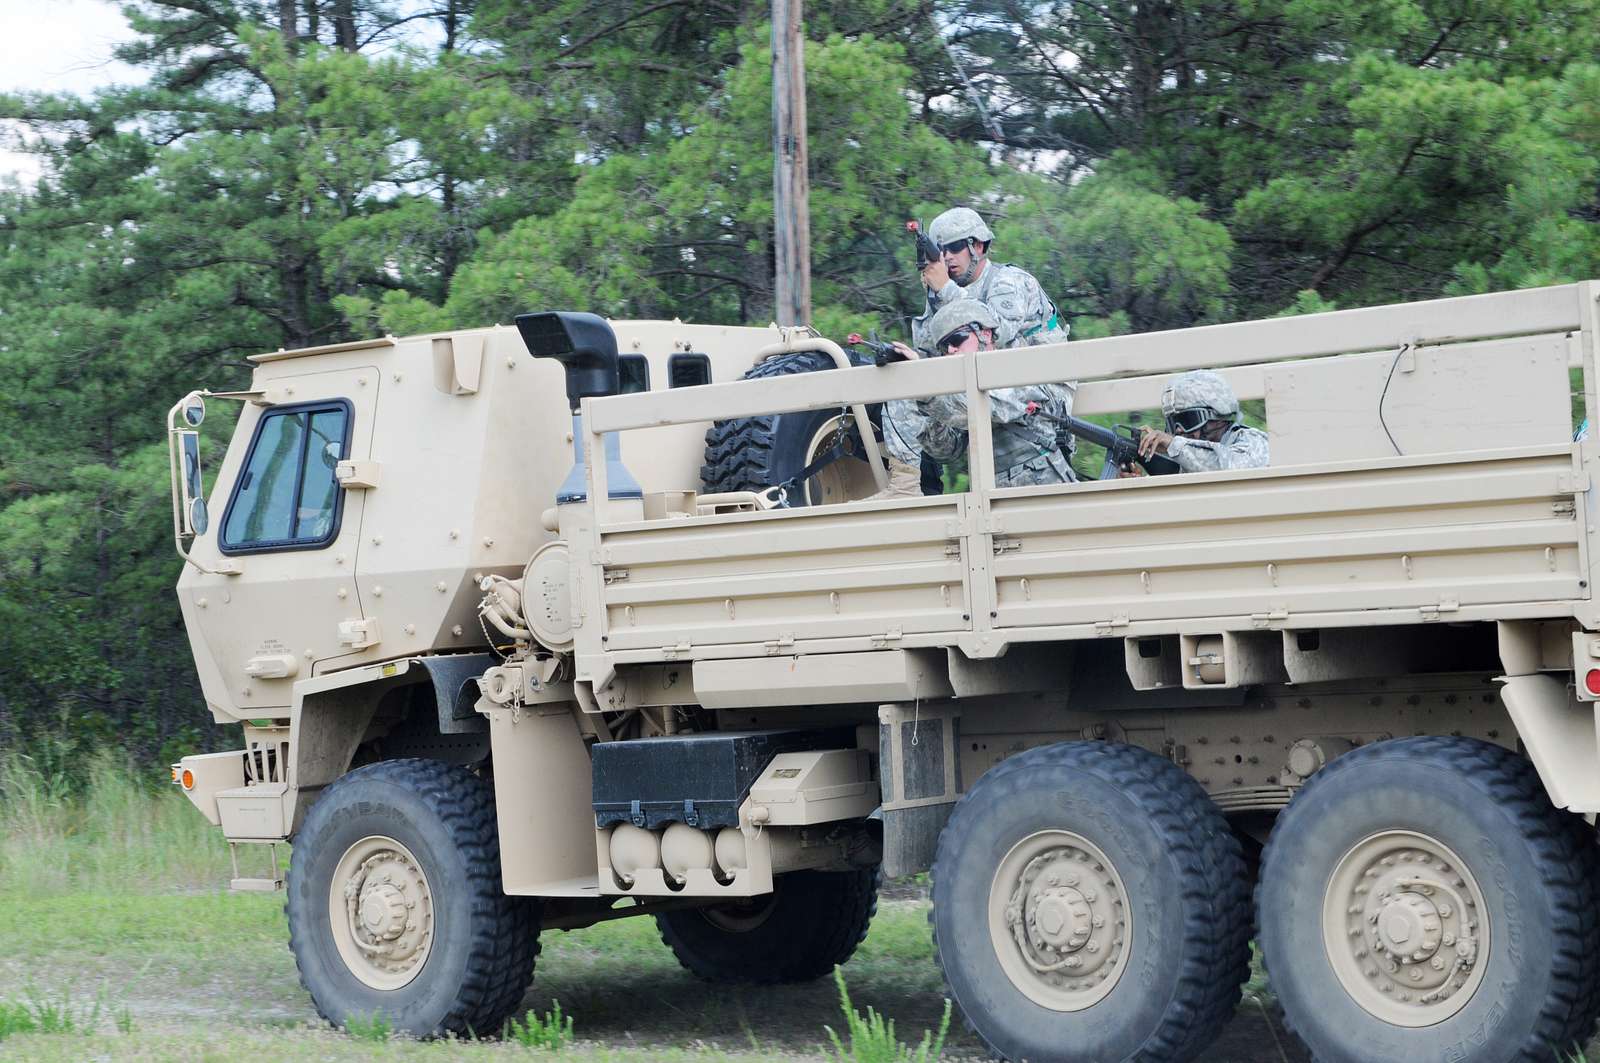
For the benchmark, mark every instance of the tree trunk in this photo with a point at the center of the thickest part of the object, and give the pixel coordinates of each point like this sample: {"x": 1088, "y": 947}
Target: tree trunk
{"x": 344, "y": 24}
{"x": 452, "y": 24}
{"x": 288, "y": 23}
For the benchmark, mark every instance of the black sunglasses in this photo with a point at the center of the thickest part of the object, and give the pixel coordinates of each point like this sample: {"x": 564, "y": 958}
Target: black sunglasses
{"x": 954, "y": 247}
{"x": 959, "y": 336}
{"x": 1190, "y": 420}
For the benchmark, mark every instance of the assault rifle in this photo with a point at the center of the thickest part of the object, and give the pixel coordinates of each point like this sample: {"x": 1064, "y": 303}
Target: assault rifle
{"x": 927, "y": 250}
{"x": 1122, "y": 448}
{"x": 882, "y": 353}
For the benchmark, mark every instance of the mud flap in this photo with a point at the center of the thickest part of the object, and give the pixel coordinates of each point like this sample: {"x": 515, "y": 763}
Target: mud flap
{"x": 920, "y": 773}
{"x": 1559, "y": 733}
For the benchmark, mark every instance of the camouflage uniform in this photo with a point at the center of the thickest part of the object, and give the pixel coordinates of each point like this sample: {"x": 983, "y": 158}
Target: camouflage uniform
{"x": 1241, "y": 447}
{"x": 1026, "y": 315}
{"x": 1026, "y": 420}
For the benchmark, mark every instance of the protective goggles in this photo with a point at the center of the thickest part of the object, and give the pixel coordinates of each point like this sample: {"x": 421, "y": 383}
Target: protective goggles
{"x": 1182, "y": 422}
{"x": 954, "y": 247}
{"x": 958, "y": 337}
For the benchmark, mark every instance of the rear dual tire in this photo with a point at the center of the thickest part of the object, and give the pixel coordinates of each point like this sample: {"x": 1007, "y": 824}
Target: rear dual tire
{"x": 1422, "y": 899}
{"x": 1090, "y": 903}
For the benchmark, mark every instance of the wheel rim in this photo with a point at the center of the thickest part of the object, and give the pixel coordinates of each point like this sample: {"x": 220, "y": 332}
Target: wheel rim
{"x": 1406, "y": 928}
{"x": 741, "y": 918}
{"x": 846, "y": 480}
{"x": 1059, "y": 920}
{"x": 381, "y": 911}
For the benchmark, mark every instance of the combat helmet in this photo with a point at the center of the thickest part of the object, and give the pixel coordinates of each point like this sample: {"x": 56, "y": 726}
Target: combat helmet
{"x": 1198, "y": 392}
{"x": 959, "y": 223}
{"x": 955, "y": 314}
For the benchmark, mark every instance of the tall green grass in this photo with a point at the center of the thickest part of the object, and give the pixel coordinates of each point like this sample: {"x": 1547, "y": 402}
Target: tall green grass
{"x": 127, "y": 830}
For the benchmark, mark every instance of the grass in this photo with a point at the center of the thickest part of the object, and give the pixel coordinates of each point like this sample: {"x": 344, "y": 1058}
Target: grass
{"x": 549, "y": 1030}
{"x": 374, "y": 1028}
{"x": 872, "y": 1036}
{"x": 122, "y": 834}
{"x": 59, "y": 1014}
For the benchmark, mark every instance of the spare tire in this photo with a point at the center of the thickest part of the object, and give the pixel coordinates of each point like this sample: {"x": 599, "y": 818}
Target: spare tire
{"x": 754, "y": 453}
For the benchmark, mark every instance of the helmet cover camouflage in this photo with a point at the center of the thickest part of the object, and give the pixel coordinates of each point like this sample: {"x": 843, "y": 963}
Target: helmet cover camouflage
{"x": 1197, "y": 388}
{"x": 958, "y": 223}
{"x": 955, "y": 314}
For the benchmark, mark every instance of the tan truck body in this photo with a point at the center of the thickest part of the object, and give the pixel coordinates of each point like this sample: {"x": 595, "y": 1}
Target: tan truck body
{"x": 1418, "y": 559}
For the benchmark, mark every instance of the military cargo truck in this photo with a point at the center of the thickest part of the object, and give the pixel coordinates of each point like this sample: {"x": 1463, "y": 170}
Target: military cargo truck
{"x": 522, "y": 638}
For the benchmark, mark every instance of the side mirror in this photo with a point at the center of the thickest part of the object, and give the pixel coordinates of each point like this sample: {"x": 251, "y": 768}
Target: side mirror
{"x": 195, "y": 519}
{"x": 194, "y": 410}
{"x": 584, "y": 345}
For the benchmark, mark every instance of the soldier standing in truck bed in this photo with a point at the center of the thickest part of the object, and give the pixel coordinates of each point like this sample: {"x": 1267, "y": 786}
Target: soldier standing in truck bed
{"x": 1025, "y": 315}
{"x": 1027, "y": 420}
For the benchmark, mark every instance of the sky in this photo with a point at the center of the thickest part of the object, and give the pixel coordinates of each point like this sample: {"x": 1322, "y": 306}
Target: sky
{"x": 58, "y": 45}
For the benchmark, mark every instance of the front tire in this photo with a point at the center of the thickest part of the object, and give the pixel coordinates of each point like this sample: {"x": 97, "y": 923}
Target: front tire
{"x": 396, "y": 907}
{"x": 808, "y": 925}
{"x": 1422, "y": 899}
{"x": 1089, "y": 903}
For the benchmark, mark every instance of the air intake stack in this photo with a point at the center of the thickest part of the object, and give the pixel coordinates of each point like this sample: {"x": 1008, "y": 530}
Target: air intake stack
{"x": 586, "y": 347}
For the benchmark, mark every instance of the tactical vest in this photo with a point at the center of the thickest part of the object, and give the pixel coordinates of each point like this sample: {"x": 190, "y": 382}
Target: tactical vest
{"x": 1028, "y": 453}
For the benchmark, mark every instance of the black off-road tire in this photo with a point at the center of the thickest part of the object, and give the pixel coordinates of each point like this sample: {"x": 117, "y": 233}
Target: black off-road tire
{"x": 484, "y": 942}
{"x": 754, "y": 453}
{"x": 1537, "y": 868}
{"x": 1184, "y": 877}
{"x": 812, "y": 922}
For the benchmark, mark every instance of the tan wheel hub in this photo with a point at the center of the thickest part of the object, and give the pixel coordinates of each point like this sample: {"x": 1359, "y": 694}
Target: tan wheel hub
{"x": 845, "y": 480}
{"x": 1059, "y": 920}
{"x": 1405, "y": 928}
{"x": 381, "y": 912}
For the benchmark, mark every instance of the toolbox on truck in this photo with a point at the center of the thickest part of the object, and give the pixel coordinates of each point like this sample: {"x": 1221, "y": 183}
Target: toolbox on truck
{"x": 698, "y": 779}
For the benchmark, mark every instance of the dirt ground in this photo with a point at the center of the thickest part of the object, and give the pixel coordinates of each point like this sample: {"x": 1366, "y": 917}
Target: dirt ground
{"x": 207, "y": 975}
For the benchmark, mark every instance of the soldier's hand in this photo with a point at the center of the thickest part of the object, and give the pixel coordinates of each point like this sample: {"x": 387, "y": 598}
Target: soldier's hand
{"x": 908, "y": 353}
{"x": 935, "y": 276}
{"x": 1153, "y": 441}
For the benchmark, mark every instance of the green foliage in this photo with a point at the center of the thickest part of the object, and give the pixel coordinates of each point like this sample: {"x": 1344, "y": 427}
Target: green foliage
{"x": 58, "y": 1014}
{"x": 62, "y": 1015}
{"x": 872, "y": 1037}
{"x": 275, "y": 184}
{"x": 684, "y": 228}
{"x": 112, "y": 833}
{"x": 16, "y": 1018}
{"x": 551, "y": 1031}
{"x": 375, "y": 1028}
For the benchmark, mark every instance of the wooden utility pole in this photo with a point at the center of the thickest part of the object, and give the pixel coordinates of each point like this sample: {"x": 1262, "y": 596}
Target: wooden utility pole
{"x": 791, "y": 184}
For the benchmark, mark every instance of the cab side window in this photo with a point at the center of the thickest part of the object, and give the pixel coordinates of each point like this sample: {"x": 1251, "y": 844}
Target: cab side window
{"x": 633, "y": 374}
{"x": 688, "y": 370}
{"x": 286, "y": 498}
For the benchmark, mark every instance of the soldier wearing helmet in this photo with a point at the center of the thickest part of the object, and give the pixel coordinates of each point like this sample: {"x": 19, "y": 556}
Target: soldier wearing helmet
{"x": 1203, "y": 430}
{"x": 1025, "y": 315}
{"x": 1026, "y": 420}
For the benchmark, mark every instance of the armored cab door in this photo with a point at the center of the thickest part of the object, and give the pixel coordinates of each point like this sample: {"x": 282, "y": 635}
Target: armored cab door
{"x": 292, "y": 530}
